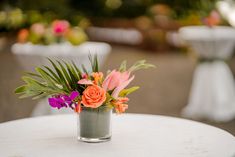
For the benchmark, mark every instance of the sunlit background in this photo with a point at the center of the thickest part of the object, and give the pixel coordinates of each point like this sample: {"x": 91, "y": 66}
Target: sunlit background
{"x": 133, "y": 30}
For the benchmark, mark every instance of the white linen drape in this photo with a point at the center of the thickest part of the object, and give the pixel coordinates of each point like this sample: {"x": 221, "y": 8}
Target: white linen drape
{"x": 213, "y": 90}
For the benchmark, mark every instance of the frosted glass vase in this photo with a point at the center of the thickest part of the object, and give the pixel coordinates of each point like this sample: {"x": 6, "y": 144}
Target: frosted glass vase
{"x": 94, "y": 124}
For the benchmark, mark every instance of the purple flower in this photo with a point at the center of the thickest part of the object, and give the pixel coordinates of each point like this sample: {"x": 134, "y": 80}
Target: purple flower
{"x": 63, "y": 100}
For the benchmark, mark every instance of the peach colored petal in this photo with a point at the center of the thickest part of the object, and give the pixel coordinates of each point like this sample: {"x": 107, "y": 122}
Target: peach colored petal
{"x": 107, "y": 81}
{"x": 85, "y": 81}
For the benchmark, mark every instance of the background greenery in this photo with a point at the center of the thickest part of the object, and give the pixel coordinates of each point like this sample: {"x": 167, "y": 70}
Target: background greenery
{"x": 107, "y": 8}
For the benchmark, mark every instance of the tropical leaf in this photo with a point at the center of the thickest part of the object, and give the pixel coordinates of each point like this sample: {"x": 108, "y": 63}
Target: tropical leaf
{"x": 128, "y": 91}
{"x": 72, "y": 70}
{"x": 84, "y": 69}
{"x": 46, "y": 76}
{"x": 65, "y": 73}
{"x": 79, "y": 73}
{"x": 31, "y": 81}
{"x": 53, "y": 73}
{"x": 32, "y": 74}
{"x": 94, "y": 62}
{"x": 64, "y": 82}
{"x": 61, "y": 78}
{"x": 29, "y": 95}
{"x": 20, "y": 89}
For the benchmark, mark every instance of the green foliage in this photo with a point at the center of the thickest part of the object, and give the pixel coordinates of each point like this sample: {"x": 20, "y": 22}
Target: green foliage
{"x": 122, "y": 67}
{"x": 140, "y": 65}
{"x": 128, "y": 91}
{"x": 94, "y": 63}
{"x": 61, "y": 78}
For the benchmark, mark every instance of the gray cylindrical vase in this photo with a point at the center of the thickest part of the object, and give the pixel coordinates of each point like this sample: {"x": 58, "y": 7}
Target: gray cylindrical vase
{"x": 94, "y": 124}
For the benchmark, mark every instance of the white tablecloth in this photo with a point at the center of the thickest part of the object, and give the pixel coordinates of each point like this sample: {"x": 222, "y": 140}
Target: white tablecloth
{"x": 212, "y": 93}
{"x": 133, "y": 135}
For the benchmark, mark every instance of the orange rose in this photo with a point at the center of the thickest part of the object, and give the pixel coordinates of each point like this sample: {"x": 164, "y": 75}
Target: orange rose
{"x": 93, "y": 96}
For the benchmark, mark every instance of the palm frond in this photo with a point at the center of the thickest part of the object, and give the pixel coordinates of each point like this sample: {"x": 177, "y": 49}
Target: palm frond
{"x": 79, "y": 73}
{"x": 94, "y": 62}
{"x": 61, "y": 78}
{"x": 65, "y": 83}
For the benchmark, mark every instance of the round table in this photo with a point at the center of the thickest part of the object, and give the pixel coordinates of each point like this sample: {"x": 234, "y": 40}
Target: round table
{"x": 133, "y": 135}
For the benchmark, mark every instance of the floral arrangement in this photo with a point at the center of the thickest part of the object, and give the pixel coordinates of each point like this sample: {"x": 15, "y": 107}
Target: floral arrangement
{"x": 56, "y": 32}
{"x": 73, "y": 87}
{"x": 212, "y": 19}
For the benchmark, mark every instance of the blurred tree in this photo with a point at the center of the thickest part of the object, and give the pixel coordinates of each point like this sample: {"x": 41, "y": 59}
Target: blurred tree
{"x": 108, "y": 8}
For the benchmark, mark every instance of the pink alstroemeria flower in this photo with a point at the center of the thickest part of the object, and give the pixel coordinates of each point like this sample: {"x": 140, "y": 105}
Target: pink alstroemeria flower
{"x": 118, "y": 81}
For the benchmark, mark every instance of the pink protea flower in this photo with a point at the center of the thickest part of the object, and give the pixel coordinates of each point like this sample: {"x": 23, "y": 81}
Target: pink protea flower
{"x": 60, "y": 27}
{"x": 117, "y": 81}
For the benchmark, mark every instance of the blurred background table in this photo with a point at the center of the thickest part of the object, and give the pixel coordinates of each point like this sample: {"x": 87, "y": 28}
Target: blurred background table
{"x": 212, "y": 93}
{"x": 133, "y": 134}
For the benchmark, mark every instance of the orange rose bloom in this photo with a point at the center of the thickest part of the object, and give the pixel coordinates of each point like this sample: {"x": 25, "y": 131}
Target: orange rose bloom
{"x": 93, "y": 96}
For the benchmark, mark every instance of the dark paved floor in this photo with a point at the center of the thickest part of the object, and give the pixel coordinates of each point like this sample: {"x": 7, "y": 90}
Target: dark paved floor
{"x": 163, "y": 91}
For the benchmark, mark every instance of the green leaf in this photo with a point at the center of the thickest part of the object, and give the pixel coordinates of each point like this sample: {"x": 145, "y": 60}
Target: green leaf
{"x": 71, "y": 70}
{"x": 46, "y": 76}
{"x": 53, "y": 73}
{"x": 27, "y": 95}
{"x": 84, "y": 69}
{"x": 31, "y": 81}
{"x": 122, "y": 67}
{"x": 128, "y": 91}
{"x": 60, "y": 74}
{"x": 140, "y": 65}
{"x": 41, "y": 95}
{"x": 94, "y": 63}
{"x": 74, "y": 77}
{"x": 33, "y": 74}
{"x": 65, "y": 73}
{"x": 20, "y": 89}
{"x": 108, "y": 98}
{"x": 79, "y": 73}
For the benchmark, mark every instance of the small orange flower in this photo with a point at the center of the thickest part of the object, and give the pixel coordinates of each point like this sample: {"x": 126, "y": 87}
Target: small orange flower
{"x": 23, "y": 35}
{"x": 78, "y": 107}
{"x": 120, "y": 105}
{"x": 93, "y": 96}
{"x": 98, "y": 76}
